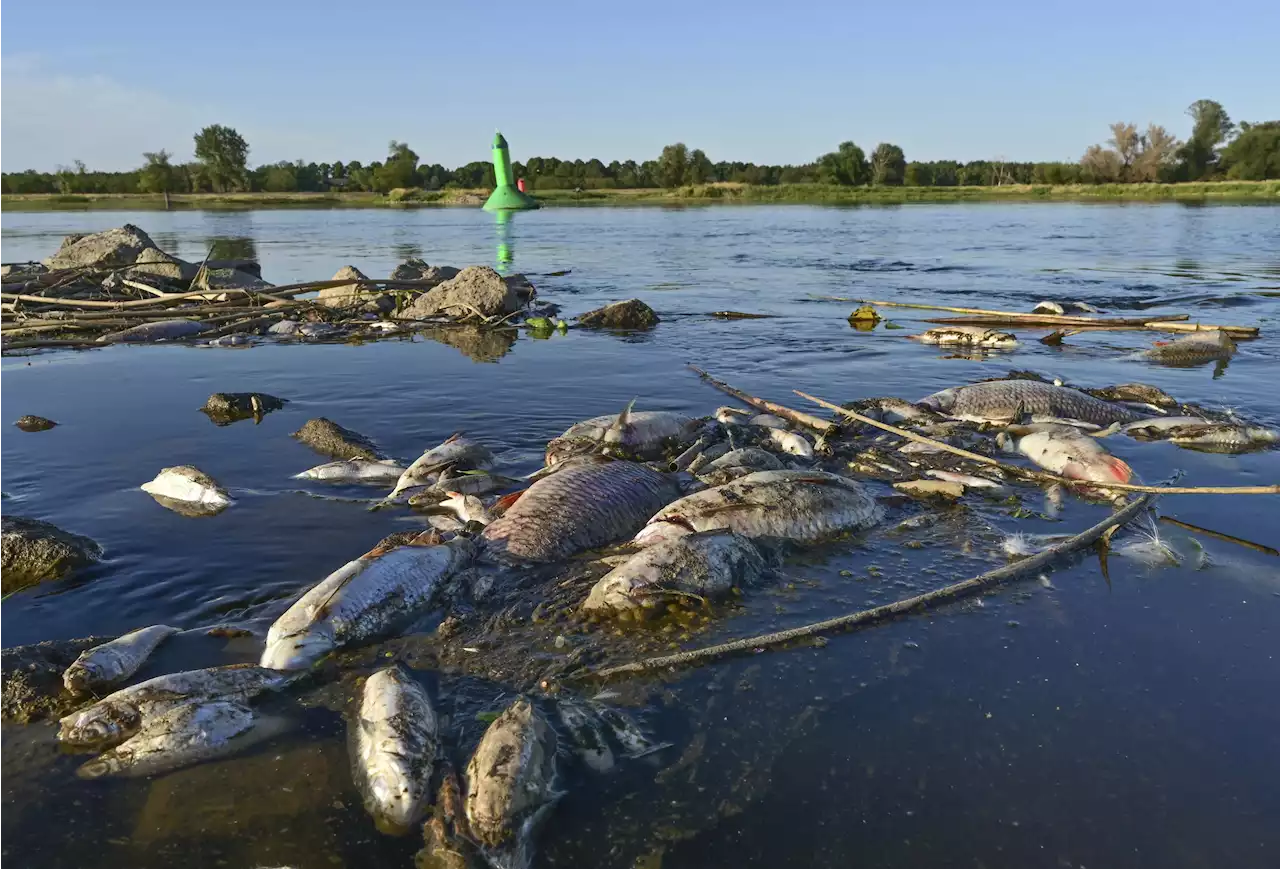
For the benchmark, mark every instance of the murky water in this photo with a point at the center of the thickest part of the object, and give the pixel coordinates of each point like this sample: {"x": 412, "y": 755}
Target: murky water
{"x": 1077, "y": 721}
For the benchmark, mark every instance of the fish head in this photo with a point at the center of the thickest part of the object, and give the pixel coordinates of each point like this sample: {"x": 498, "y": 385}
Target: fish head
{"x": 102, "y": 765}
{"x": 299, "y": 650}
{"x": 660, "y": 531}
{"x": 101, "y": 725}
{"x": 941, "y": 401}
{"x": 392, "y": 800}
{"x": 80, "y": 675}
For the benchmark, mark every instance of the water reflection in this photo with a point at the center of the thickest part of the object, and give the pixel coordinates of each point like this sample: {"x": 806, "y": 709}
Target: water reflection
{"x": 506, "y": 248}
{"x": 480, "y": 345}
{"x": 238, "y": 247}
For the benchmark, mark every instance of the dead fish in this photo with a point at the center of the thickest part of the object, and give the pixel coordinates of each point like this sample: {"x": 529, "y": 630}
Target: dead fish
{"x": 1194, "y": 349}
{"x": 791, "y": 443}
{"x": 969, "y": 336}
{"x": 638, "y": 434}
{"x": 897, "y": 410}
{"x": 800, "y": 506}
{"x": 1067, "y": 451}
{"x": 767, "y": 420}
{"x": 579, "y": 508}
{"x": 160, "y": 330}
{"x": 1137, "y": 392}
{"x": 463, "y": 508}
{"x": 1206, "y": 434}
{"x": 361, "y": 600}
{"x": 747, "y": 457}
{"x": 118, "y": 716}
{"x": 236, "y": 340}
{"x": 187, "y": 734}
{"x": 584, "y": 727}
{"x": 1047, "y": 307}
{"x": 1060, "y": 308}
{"x": 284, "y": 327}
{"x": 703, "y": 565}
{"x": 114, "y": 661}
{"x": 1006, "y": 400}
{"x": 396, "y": 736}
{"x": 354, "y": 471}
{"x": 317, "y": 330}
{"x": 727, "y": 415}
{"x": 458, "y": 452}
{"x": 631, "y": 736}
{"x": 511, "y": 782}
{"x": 969, "y": 481}
{"x": 190, "y": 485}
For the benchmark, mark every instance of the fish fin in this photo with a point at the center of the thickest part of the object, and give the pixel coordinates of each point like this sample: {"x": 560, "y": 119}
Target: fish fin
{"x": 1106, "y": 432}
{"x": 1119, "y": 469}
{"x": 624, "y": 418}
{"x": 504, "y": 503}
{"x": 453, "y": 437}
{"x": 322, "y": 608}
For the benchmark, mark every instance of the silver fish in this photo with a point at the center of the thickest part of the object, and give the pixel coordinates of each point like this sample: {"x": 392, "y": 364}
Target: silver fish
{"x": 1005, "y": 400}
{"x": 639, "y": 434}
{"x": 160, "y": 330}
{"x": 585, "y": 730}
{"x": 511, "y": 780}
{"x": 1194, "y": 349}
{"x": 460, "y": 452}
{"x": 361, "y": 600}
{"x": 897, "y": 410}
{"x": 579, "y": 508}
{"x": 1067, "y": 451}
{"x": 1206, "y": 434}
{"x": 354, "y": 471}
{"x": 791, "y": 443}
{"x": 969, "y": 481}
{"x": 703, "y": 565}
{"x": 747, "y": 457}
{"x": 631, "y": 736}
{"x": 767, "y": 420}
{"x": 969, "y": 336}
{"x": 729, "y": 415}
{"x": 181, "y": 736}
{"x": 114, "y": 661}
{"x": 118, "y": 716}
{"x": 187, "y": 484}
{"x": 801, "y": 506}
{"x": 396, "y": 736}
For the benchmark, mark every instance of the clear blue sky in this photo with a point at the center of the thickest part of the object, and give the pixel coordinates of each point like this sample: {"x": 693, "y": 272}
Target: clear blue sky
{"x": 758, "y": 81}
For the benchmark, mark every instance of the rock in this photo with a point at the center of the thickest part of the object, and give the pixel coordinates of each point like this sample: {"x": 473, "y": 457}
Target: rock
{"x": 474, "y": 289}
{"x": 482, "y": 345}
{"x": 157, "y": 330}
{"x": 522, "y": 287}
{"x": 248, "y": 266}
{"x": 158, "y": 264}
{"x": 33, "y": 551}
{"x": 35, "y": 423}
{"x": 931, "y": 489}
{"x": 865, "y": 314}
{"x": 115, "y": 247}
{"x": 418, "y": 270}
{"x": 330, "y": 439}
{"x": 631, "y": 314}
{"x": 351, "y": 297}
{"x": 224, "y": 408}
{"x": 221, "y": 280}
{"x": 33, "y": 688}
{"x": 22, "y": 270}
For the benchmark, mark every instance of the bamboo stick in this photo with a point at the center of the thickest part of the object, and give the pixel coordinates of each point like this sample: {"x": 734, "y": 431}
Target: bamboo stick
{"x": 950, "y": 593}
{"x": 799, "y": 417}
{"x": 1043, "y": 475}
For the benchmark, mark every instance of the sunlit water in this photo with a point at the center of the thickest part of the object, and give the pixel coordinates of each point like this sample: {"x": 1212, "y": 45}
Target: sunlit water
{"x": 1073, "y": 721}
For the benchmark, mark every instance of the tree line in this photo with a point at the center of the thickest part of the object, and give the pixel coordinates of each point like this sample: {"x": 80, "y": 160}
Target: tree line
{"x": 1216, "y": 149}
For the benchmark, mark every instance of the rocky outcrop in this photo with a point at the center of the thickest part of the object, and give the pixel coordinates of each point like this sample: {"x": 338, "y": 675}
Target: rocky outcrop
{"x": 33, "y": 423}
{"x": 224, "y": 408}
{"x": 33, "y": 688}
{"x": 353, "y": 297}
{"x": 631, "y": 314}
{"x": 418, "y": 270}
{"x": 114, "y": 247}
{"x": 156, "y": 263}
{"x": 330, "y": 439}
{"x": 32, "y": 551}
{"x": 522, "y": 287}
{"x": 475, "y": 290}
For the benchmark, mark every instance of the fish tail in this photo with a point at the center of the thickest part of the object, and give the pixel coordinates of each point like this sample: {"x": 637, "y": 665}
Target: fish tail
{"x": 1119, "y": 469}
{"x": 504, "y": 503}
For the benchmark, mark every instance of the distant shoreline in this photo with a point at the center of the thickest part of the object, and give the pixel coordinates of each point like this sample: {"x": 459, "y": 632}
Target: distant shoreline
{"x": 704, "y": 194}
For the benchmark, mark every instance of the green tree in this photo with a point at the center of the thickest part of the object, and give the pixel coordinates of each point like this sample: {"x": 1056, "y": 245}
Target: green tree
{"x": 673, "y": 165}
{"x": 158, "y": 175}
{"x": 225, "y": 155}
{"x": 1254, "y": 155}
{"x": 400, "y": 170}
{"x": 1210, "y": 128}
{"x": 888, "y": 165}
{"x": 1127, "y": 144}
{"x": 1155, "y": 160}
{"x": 846, "y": 165}
{"x": 700, "y": 170}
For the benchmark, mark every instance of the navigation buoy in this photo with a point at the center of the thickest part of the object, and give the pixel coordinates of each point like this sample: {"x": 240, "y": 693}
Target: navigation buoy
{"x": 506, "y": 196}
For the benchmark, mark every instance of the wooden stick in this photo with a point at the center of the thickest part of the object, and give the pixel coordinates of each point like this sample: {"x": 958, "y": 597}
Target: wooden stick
{"x": 799, "y": 417}
{"x": 1042, "y": 475}
{"x": 1057, "y": 319}
{"x": 1121, "y": 324}
{"x": 950, "y": 593}
{"x": 279, "y": 293}
{"x": 1031, "y": 321}
{"x": 141, "y": 287}
{"x": 1239, "y": 541}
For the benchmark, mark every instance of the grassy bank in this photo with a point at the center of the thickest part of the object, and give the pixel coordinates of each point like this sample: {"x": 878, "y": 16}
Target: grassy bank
{"x": 815, "y": 194}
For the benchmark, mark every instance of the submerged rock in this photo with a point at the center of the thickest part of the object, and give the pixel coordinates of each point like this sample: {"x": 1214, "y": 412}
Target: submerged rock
{"x": 631, "y": 314}
{"x": 228, "y": 407}
{"x": 475, "y": 289}
{"x": 330, "y": 439}
{"x": 33, "y": 688}
{"x": 158, "y": 264}
{"x": 34, "y": 551}
{"x": 114, "y": 247}
{"x": 354, "y": 297}
{"x": 33, "y": 423}
{"x": 418, "y": 270}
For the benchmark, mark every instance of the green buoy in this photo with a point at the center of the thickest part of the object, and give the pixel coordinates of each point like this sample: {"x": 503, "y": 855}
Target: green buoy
{"x": 505, "y": 196}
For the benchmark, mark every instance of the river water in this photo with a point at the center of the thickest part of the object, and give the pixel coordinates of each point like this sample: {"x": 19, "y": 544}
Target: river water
{"x": 1076, "y": 720}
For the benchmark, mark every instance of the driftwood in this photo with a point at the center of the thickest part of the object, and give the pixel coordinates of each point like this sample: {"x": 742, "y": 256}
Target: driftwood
{"x": 1163, "y": 324}
{"x": 1043, "y": 476}
{"x": 1239, "y": 541}
{"x": 799, "y": 417}
{"x": 947, "y": 594}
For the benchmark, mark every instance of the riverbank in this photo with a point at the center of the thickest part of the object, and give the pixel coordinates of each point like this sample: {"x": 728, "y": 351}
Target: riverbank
{"x": 800, "y": 194}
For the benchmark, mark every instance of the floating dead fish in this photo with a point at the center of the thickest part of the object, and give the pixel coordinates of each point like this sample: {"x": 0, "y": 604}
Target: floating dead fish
{"x": 458, "y": 507}
{"x": 511, "y": 782}
{"x": 318, "y": 330}
{"x": 361, "y": 600}
{"x": 114, "y": 661}
{"x": 1009, "y": 400}
{"x": 395, "y": 739}
{"x": 800, "y": 506}
{"x": 1194, "y": 349}
{"x": 767, "y": 420}
{"x": 791, "y": 443}
{"x": 968, "y": 336}
{"x": 284, "y": 327}
{"x": 458, "y": 452}
{"x": 969, "y": 481}
{"x": 896, "y": 410}
{"x": 1060, "y": 308}
{"x": 1136, "y": 392}
{"x": 354, "y": 471}
{"x": 637, "y": 434}
{"x": 631, "y": 736}
{"x": 188, "y": 734}
{"x": 118, "y": 716}
{"x": 728, "y": 415}
{"x": 586, "y": 731}
{"x": 190, "y": 485}
{"x": 579, "y": 508}
{"x": 738, "y": 463}
{"x": 703, "y": 565}
{"x": 236, "y": 340}
{"x": 1203, "y": 434}
{"x": 160, "y": 330}
{"x": 1067, "y": 451}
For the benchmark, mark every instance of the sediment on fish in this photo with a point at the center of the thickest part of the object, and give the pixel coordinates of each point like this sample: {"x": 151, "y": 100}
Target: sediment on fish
{"x": 394, "y": 744}
{"x": 511, "y": 778}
